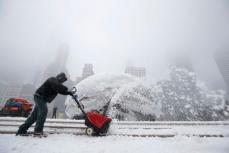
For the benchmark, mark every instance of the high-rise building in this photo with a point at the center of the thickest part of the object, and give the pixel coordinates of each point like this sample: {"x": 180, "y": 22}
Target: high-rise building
{"x": 27, "y": 92}
{"x": 222, "y": 61}
{"x": 3, "y": 90}
{"x": 62, "y": 55}
{"x": 87, "y": 71}
{"x": 136, "y": 71}
{"x": 10, "y": 92}
{"x": 58, "y": 65}
{"x": 182, "y": 61}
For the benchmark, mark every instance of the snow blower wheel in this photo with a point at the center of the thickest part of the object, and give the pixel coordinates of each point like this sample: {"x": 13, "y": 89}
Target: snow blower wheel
{"x": 89, "y": 131}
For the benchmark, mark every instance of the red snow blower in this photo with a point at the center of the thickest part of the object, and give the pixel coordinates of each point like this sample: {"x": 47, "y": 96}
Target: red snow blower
{"x": 97, "y": 124}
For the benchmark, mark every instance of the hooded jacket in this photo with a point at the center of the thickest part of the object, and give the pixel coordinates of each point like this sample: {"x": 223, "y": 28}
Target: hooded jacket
{"x": 50, "y": 88}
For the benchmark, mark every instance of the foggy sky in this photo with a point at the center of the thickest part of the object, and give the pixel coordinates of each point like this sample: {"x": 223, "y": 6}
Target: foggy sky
{"x": 111, "y": 34}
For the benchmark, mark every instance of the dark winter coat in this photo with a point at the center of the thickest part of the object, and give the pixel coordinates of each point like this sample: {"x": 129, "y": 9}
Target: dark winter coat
{"x": 51, "y": 87}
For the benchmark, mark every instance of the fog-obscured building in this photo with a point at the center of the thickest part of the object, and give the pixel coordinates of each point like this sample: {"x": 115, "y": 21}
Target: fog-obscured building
{"x": 27, "y": 92}
{"x": 11, "y": 91}
{"x": 136, "y": 71}
{"x": 58, "y": 65}
{"x": 87, "y": 71}
{"x": 182, "y": 61}
{"x": 222, "y": 61}
{"x": 3, "y": 90}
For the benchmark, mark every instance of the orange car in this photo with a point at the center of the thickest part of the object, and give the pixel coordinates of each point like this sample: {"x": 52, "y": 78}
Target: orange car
{"x": 17, "y": 107}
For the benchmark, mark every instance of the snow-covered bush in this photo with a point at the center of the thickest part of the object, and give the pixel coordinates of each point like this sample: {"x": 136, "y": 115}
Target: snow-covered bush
{"x": 181, "y": 97}
{"x": 99, "y": 89}
{"x": 136, "y": 101}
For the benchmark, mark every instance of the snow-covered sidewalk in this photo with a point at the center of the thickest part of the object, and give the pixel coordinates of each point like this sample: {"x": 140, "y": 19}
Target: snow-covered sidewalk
{"x": 67, "y": 143}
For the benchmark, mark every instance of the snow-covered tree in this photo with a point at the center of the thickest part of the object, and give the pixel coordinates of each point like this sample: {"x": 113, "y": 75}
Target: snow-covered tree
{"x": 182, "y": 97}
{"x": 185, "y": 98}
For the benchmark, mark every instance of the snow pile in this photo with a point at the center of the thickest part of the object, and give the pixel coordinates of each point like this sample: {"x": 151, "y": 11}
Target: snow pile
{"x": 181, "y": 97}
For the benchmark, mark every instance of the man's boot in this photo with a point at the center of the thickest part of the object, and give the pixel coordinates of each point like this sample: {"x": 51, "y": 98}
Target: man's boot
{"x": 21, "y": 132}
{"x": 39, "y": 134}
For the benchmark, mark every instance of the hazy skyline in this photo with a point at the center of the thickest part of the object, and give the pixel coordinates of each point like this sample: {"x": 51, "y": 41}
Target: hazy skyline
{"x": 111, "y": 34}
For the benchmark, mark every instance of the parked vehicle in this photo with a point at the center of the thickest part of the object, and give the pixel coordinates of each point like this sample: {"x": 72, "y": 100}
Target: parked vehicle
{"x": 16, "y": 107}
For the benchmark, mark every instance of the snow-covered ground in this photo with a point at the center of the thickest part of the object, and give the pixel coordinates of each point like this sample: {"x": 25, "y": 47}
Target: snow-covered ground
{"x": 187, "y": 137}
{"x": 67, "y": 143}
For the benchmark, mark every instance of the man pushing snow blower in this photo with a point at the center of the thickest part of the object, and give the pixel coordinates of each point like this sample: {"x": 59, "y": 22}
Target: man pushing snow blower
{"x": 43, "y": 95}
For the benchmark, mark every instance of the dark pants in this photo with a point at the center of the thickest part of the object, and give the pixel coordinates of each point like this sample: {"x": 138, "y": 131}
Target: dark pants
{"x": 38, "y": 115}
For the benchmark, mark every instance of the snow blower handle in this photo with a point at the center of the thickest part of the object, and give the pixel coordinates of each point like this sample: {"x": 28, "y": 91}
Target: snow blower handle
{"x": 75, "y": 97}
{"x": 73, "y": 90}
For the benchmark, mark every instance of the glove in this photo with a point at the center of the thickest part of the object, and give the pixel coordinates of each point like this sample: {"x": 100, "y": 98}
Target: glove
{"x": 70, "y": 93}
